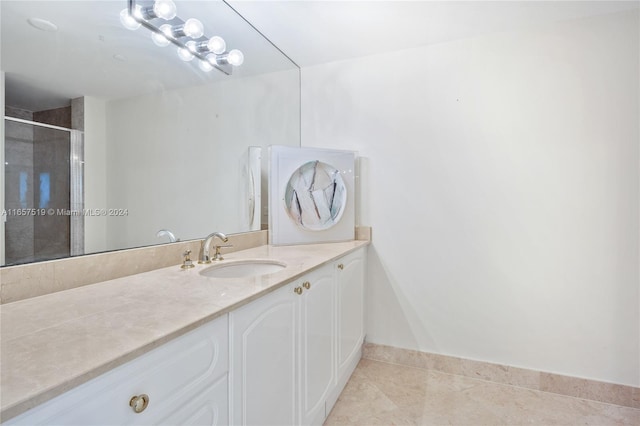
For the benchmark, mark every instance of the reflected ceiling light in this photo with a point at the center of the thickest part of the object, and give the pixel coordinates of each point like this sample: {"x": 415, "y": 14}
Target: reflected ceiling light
{"x": 160, "y": 18}
{"x": 42, "y": 24}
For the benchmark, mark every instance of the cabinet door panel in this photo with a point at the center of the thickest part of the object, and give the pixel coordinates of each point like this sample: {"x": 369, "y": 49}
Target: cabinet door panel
{"x": 170, "y": 375}
{"x": 207, "y": 408}
{"x": 262, "y": 369}
{"x": 317, "y": 344}
{"x": 350, "y": 308}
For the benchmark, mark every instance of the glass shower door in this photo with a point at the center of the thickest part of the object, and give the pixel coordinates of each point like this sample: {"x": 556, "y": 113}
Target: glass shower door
{"x": 43, "y": 191}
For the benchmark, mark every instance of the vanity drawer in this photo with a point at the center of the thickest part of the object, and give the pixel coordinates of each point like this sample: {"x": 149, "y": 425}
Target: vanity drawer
{"x": 171, "y": 376}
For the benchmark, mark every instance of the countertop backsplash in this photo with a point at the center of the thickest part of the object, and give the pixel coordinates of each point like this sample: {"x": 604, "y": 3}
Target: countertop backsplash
{"x": 36, "y": 279}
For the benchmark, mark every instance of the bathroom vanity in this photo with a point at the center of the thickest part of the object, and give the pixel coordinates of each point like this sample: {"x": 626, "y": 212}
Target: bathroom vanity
{"x": 174, "y": 346}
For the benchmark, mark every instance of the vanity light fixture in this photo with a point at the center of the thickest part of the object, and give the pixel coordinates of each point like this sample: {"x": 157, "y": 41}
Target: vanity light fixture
{"x": 166, "y": 28}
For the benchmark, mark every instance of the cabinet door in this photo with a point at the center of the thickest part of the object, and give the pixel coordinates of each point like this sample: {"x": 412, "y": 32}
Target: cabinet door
{"x": 351, "y": 270}
{"x": 262, "y": 362}
{"x": 207, "y": 408}
{"x": 317, "y": 305}
{"x": 172, "y": 376}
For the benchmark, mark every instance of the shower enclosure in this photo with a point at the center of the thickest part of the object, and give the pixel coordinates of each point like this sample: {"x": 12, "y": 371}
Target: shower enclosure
{"x": 43, "y": 180}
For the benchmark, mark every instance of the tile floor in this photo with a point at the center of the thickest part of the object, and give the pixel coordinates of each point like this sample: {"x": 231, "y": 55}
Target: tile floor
{"x": 379, "y": 393}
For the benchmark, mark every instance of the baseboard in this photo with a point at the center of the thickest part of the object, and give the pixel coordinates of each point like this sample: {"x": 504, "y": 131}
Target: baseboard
{"x": 611, "y": 393}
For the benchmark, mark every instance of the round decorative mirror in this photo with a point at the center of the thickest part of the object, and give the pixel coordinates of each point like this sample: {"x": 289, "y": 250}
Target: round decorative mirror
{"x": 316, "y": 196}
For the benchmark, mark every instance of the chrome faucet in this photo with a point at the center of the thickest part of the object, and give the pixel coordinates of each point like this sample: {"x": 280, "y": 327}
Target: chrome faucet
{"x": 205, "y": 247}
{"x": 163, "y": 232}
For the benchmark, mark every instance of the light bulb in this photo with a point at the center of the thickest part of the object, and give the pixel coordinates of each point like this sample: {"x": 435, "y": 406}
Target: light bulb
{"x": 165, "y": 9}
{"x": 184, "y": 54}
{"x": 160, "y": 39}
{"x": 167, "y": 30}
{"x": 192, "y": 46}
{"x": 205, "y": 66}
{"x": 235, "y": 57}
{"x": 137, "y": 12}
{"x": 216, "y": 45}
{"x": 212, "y": 58}
{"x": 128, "y": 21}
{"x": 193, "y": 28}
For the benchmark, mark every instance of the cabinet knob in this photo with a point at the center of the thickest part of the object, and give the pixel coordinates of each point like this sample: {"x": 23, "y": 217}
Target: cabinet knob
{"x": 297, "y": 290}
{"x": 306, "y": 285}
{"x": 340, "y": 266}
{"x": 139, "y": 403}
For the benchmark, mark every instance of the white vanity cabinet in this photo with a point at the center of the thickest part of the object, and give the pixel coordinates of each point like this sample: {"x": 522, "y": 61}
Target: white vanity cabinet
{"x": 282, "y": 359}
{"x": 184, "y": 380}
{"x": 292, "y": 351}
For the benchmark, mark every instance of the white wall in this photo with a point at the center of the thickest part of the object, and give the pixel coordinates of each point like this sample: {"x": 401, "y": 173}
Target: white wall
{"x": 205, "y": 130}
{"x": 504, "y": 193}
{"x": 95, "y": 173}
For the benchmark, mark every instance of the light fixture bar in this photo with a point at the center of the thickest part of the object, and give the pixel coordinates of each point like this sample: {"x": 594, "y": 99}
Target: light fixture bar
{"x": 179, "y": 38}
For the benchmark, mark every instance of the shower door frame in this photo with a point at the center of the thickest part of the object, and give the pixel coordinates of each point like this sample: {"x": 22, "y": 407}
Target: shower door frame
{"x": 76, "y": 187}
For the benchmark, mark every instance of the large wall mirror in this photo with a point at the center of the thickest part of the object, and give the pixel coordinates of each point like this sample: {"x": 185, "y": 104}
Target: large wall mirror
{"x": 126, "y": 137}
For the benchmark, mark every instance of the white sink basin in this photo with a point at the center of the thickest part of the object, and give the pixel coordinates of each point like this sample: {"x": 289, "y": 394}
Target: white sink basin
{"x": 243, "y": 268}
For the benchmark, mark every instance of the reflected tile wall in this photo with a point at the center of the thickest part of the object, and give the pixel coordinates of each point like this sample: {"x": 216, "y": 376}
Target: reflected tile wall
{"x": 51, "y": 190}
{"x": 77, "y": 114}
{"x": 56, "y": 117}
{"x": 627, "y": 396}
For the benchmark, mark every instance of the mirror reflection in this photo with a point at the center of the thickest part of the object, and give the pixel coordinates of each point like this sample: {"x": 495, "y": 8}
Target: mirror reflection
{"x": 111, "y": 141}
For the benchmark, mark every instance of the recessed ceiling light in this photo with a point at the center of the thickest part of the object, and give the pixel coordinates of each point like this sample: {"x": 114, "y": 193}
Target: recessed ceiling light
{"x": 42, "y": 24}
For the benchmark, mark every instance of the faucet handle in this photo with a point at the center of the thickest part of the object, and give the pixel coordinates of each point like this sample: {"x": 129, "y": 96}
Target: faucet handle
{"x": 187, "y": 262}
{"x": 217, "y": 255}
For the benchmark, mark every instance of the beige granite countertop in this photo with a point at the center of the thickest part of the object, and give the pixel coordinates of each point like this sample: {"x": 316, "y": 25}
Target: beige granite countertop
{"x": 52, "y": 343}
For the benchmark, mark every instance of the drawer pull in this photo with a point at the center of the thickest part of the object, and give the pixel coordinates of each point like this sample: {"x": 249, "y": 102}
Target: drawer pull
{"x": 340, "y": 266}
{"x": 139, "y": 403}
{"x": 306, "y": 285}
{"x": 298, "y": 290}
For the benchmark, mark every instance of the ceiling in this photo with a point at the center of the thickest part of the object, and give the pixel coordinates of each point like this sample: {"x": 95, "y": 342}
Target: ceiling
{"x": 91, "y": 54}
{"x": 315, "y": 32}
